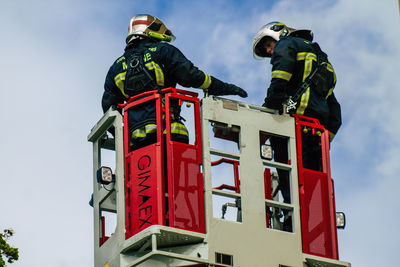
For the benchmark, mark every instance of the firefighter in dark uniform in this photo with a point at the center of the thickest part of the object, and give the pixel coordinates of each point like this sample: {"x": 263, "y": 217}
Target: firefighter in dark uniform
{"x": 151, "y": 63}
{"x": 294, "y": 57}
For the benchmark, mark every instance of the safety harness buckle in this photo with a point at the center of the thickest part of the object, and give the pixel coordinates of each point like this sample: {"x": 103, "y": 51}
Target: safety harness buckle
{"x": 290, "y": 105}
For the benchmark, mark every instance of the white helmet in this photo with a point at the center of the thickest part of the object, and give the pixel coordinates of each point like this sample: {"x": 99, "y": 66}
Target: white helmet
{"x": 275, "y": 30}
{"x": 148, "y": 26}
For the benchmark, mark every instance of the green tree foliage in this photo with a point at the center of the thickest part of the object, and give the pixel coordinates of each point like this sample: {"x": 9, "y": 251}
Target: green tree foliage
{"x": 5, "y": 249}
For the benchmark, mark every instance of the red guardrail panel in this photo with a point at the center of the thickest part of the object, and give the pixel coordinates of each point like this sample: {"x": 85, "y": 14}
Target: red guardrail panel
{"x": 317, "y": 201}
{"x": 185, "y": 182}
{"x": 145, "y": 174}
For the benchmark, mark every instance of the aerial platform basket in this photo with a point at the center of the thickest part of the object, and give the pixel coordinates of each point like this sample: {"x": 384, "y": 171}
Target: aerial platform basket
{"x": 214, "y": 201}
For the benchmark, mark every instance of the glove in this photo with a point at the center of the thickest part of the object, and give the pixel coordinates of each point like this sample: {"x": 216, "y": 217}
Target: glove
{"x": 218, "y": 87}
{"x": 232, "y": 89}
{"x": 266, "y": 105}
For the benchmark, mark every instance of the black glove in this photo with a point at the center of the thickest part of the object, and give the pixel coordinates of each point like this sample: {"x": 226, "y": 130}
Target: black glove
{"x": 280, "y": 109}
{"x": 228, "y": 89}
{"x": 237, "y": 90}
{"x": 218, "y": 87}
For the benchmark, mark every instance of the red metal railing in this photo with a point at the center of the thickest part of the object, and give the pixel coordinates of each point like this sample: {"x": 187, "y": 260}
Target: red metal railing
{"x": 164, "y": 167}
{"x": 235, "y": 164}
{"x": 317, "y": 200}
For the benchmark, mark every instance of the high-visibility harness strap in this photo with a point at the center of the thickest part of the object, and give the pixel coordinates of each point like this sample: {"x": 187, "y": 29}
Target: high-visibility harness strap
{"x": 308, "y": 63}
{"x": 304, "y": 102}
{"x": 308, "y": 59}
{"x": 158, "y": 71}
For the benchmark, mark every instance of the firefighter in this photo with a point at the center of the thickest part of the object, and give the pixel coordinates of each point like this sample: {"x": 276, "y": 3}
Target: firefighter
{"x": 151, "y": 63}
{"x": 293, "y": 58}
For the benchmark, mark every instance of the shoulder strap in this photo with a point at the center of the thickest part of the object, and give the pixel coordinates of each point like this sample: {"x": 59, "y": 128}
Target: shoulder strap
{"x": 317, "y": 80}
{"x": 138, "y": 79}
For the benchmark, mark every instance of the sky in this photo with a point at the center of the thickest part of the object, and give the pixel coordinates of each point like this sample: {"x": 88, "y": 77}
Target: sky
{"x": 54, "y": 56}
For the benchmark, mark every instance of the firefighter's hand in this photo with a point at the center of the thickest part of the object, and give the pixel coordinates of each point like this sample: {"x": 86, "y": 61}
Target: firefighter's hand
{"x": 228, "y": 89}
{"x": 267, "y": 105}
{"x": 117, "y": 108}
{"x": 235, "y": 90}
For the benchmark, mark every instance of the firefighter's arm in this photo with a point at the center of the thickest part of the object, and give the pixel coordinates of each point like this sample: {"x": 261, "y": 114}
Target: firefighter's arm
{"x": 188, "y": 75}
{"x": 283, "y": 63}
{"x": 335, "y": 116}
{"x": 275, "y": 94}
{"x": 111, "y": 96}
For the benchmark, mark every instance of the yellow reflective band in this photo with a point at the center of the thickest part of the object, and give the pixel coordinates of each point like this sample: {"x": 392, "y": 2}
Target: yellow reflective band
{"x": 207, "y": 82}
{"x": 334, "y": 82}
{"x": 304, "y": 102}
{"x": 138, "y": 133}
{"x": 151, "y": 128}
{"x": 280, "y": 74}
{"x": 329, "y": 67}
{"x": 121, "y": 58}
{"x": 308, "y": 59}
{"x": 144, "y": 130}
{"x": 306, "y": 55}
{"x": 158, "y": 71}
{"x": 329, "y": 93}
{"x": 119, "y": 81}
{"x": 307, "y": 68}
{"x": 334, "y": 78}
{"x": 179, "y": 128}
{"x": 176, "y": 128}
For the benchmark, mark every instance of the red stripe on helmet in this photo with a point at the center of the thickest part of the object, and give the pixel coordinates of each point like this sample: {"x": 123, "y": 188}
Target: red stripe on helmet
{"x": 136, "y": 22}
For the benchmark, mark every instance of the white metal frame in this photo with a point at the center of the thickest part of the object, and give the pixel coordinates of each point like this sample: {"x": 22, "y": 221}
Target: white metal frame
{"x": 250, "y": 242}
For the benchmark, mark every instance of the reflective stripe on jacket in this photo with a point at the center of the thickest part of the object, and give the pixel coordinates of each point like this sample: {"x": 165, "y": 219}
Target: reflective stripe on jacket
{"x": 168, "y": 67}
{"x": 292, "y": 61}
{"x": 176, "y": 128}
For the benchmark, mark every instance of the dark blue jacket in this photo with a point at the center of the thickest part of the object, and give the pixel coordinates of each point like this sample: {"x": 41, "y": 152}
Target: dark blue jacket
{"x": 168, "y": 67}
{"x": 292, "y": 61}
